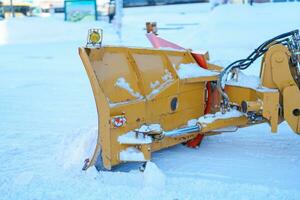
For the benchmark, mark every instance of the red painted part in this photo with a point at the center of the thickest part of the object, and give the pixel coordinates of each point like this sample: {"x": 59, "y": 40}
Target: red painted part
{"x": 200, "y": 60}
{"x": 195, "y": 142}
{"x": 202, "y": 63}
{"x": 158, "y": 42}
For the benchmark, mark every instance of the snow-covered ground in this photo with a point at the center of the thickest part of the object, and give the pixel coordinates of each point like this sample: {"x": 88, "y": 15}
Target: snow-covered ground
{"x": 48, "y": 115}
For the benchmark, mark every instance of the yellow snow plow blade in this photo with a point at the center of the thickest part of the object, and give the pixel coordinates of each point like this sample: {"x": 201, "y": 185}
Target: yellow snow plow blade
{"x": 149, "y": 99}
{"x": 135, "y": 87}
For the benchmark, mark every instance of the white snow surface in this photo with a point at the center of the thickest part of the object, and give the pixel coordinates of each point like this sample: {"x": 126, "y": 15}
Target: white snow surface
{"x": 157, "y": 86}
{"x": 167, "y": 76}
{"x": 154, "y": 84}
{"x": 47, "y": 108}
{"x": 192, "y": 122}
{"x": 131, "y": 154}
{"x": 81, "y": 146}
{"x": 122, "y": 83}
{"x": 154, "y": 177}
{"x": 149, "y": 128}
{"x": 209, "y": 118}
{"x": 132, "y": 138}
{"x": 192, "y": 70}
{"x": 248, "y": 81}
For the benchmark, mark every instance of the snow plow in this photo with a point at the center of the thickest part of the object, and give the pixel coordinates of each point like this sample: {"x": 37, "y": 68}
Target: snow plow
{"x": 149, "y": 99}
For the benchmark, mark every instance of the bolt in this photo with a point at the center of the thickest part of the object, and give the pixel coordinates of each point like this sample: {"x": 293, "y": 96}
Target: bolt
{"x": 279, "y": 58}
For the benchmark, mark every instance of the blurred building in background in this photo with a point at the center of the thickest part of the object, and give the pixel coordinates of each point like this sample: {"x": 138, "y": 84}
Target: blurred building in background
{"x": 104, "y": 9}
{"x": 78, "y": 10}
{"x": 131, "y": 3}
{"x": 51, "y": 5}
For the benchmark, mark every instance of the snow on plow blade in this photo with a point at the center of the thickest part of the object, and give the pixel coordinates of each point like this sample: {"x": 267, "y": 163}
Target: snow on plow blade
{"x": 142, "y": 93}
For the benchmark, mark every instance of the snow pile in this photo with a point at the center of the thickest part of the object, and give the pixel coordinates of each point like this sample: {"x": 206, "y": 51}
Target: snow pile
{"x": 209, "y": 118}
{"x": 134, "y": 138}
{"x": 200, "y": 51}
{"x": 167, "y": 76}
{"x": 153, "y": 176}
{"x": 122, "y": 83}
{"x": 149, "y": 128}
{"x": 132, "y": 154}
{"x": 154, "y": 181}
{"x": 192, "y": 122}
{"x": 153, "y": 92}
{"x": 248, "y": 81}
{"x": 78, "y": 148}
{"x": 192, "y": 70}
{"x": 154, "y": 84}
{"x": 157, "y": 86}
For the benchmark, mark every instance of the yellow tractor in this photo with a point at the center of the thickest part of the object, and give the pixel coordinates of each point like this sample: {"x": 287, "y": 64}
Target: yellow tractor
{"x": 149, "y": 99}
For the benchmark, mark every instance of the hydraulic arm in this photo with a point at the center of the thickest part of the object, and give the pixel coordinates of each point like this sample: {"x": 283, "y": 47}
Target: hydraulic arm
{"x": 280, "y": 72}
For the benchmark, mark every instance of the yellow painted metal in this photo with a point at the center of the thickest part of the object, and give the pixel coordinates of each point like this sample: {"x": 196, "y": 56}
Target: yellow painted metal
{"x": 142, "y": 84}
{"x": 252, "y": 106}
{"x": 152, "y": 83}
{"x": 223, "y": 123}
{"x": 95, "y": 37}
{"x": 278, "y": 72}
{"x": 271, "y": 109}
{"x": 263, "y": 102}
{"x": 291, "y": 99}
{"x": 103, "y": 110}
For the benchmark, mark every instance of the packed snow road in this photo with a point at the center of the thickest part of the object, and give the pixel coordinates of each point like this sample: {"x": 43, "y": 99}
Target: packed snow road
{"x": 48, "y": 115}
